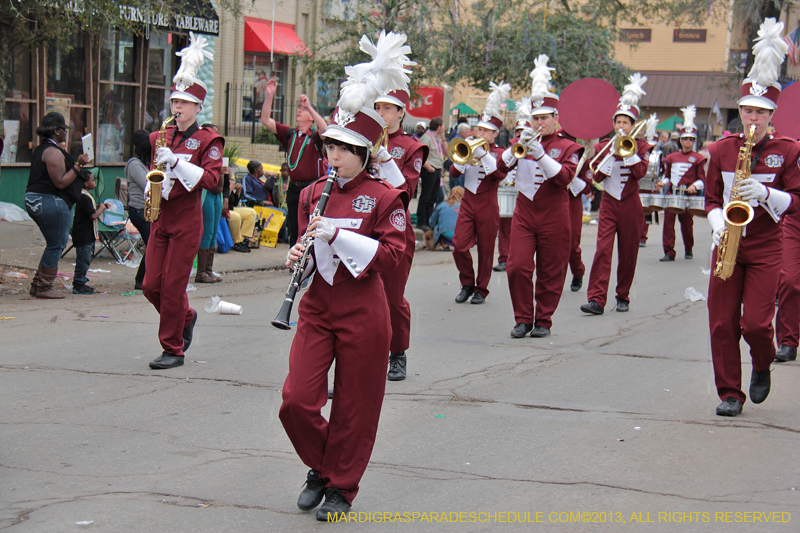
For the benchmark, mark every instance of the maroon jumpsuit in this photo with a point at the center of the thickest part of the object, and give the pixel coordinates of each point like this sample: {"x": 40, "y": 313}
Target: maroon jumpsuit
{"x": 576, "y": 265}
{"x": 175, "y": 237}
{"x": 682, "y": 170}
{"x": 744, "y": 304}
{"x": 787, "y": 318}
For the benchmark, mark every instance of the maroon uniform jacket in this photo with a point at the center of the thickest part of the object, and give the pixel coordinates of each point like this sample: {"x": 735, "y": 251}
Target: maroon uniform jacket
{"x": 370, "y": 216}
{"x": 301, "y": 150}
{"x": 619, "y": 180}
{"x": 683, "y": 170}
{"x": 777, "y": 168}
{"x": 409, "y": 155}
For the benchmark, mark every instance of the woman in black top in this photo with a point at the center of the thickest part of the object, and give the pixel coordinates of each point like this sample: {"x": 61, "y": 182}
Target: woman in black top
{"x": 51, "y": 193}
{"x": 136, "y": 170}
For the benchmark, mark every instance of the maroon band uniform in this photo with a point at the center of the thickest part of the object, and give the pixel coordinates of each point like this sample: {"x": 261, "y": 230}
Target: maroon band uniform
{"x": 682, "y": 170}
{"x": 744, "y": 304}
{"x": 576, "y": 265}
{"x": 175, "y": 237}
{"x": 344, "y": 315}
{"x": 787, "y": 318}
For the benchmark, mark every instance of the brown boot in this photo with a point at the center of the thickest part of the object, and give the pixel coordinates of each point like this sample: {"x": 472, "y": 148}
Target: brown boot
{"x": 210, "y": 265}
{"x": 202, "y": 273}
{"x": 45, "y": 287}
{"x": 35, "y": 282}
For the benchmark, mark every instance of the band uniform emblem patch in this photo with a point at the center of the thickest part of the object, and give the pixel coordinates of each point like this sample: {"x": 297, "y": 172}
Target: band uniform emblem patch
{"x": 692, "y": 159}
{"x": 418, "y": 164}
{"x": 364, "y": 204}
{"x": 774, "y": 161}
{"x": 397, "y": 152}
{"x": 398, "y": 219}
{"x": 214, "y": 153}
{"x": 194, "y": 144}
{"x": 555, "y": 153}
{"x": 574, "y": 159}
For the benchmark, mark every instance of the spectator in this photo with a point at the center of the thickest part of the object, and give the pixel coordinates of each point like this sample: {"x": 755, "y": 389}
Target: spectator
{"x": 255, "y": 191}
{"x": 458, "y": 130}
{"x": 419, "y": 130}
{"x": 241, "y": 220}
{"x": 136, "y": 175}
{"x": 52, "y": 191}
{"x": 277, "y": 185}
{"x": 443, "y": 221}
{"x": 663, "y": 138}
{"x": 84, "y": 233}
{"x": 671, "y": 146}
{"x": 212, "y": 211}
{"x": 431, "y": 174}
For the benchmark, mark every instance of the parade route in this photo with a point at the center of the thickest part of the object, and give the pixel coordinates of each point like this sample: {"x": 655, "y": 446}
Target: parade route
{"x": 606, "y": 425}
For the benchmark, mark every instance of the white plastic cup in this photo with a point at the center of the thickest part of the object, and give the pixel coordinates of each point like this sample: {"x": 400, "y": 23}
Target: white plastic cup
{"x": 227, "y": 308}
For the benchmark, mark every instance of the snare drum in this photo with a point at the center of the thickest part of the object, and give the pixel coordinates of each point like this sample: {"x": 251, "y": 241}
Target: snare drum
{"x": 507, "y": 200}
{"x": 676, "y": 204}
{"x": 657, "y": 202}
{"x": 697, "y": 206}
{"x": 646, "y": 199}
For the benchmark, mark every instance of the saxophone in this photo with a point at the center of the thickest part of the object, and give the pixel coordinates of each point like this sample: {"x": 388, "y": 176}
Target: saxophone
{"x": 737, "y": 212}
{"x": 152, "y": 198}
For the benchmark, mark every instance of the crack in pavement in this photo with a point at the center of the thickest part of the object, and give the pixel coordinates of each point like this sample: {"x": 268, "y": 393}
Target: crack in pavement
{"x": 629, "y": 327}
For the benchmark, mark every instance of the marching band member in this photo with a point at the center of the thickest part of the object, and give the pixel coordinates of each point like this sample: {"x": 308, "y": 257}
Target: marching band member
{"x": 540, "y": 228}
{"x": 743, "y": 304}
{"x": 193, "y": 159}
{"x": 651, "y": 136}
{"x": 684, "y": 169}
{"x": 504, "y": 233}
{"x": 344, "y": 315}
{"x": 480, "y": 214}
{"x": 621, "y": 209}
{"x": 576, "y": 193}
{"x": 401, "y": 167}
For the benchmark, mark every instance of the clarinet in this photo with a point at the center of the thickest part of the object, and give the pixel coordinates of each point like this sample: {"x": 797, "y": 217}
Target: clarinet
{"x": 282, "y": 320}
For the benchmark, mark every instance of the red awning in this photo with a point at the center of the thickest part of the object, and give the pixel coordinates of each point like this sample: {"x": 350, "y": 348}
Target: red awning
{"x": 258, "y": 37}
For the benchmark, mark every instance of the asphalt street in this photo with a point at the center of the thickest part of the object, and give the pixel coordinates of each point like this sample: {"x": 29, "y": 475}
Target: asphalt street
{"x": 607, "y": 425}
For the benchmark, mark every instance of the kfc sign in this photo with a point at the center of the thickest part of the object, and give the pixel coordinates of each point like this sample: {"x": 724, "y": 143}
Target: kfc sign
{"x": 427, "y": 103}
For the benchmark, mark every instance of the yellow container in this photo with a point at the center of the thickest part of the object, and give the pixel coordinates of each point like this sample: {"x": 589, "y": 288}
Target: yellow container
{"x": 273, "y": 221}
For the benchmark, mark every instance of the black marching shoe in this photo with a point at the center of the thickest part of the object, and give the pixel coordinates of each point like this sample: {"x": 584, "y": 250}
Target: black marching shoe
{"x": 622, "y": 306}
{"x": 499, "y": 267}
{"x": 188, "y": 332}
{"x": 521, "y": 329}
{"x": 477, "y": 298}
{"x": 464, "y": 295}
{"x": 137, "y": 286}
{"x": 667, "y": 258}
{"x": 759, "y": 385}
{"x": 312, "y": 493}
{"x": 540, "y": 332}
{"x": 335, "y": 506}
{"x": 397, "y": 367}
{"x": 730, "y": 406}
{"x": 642, "y": 244}
{"x": 688, "y": 255}
{"x": 577, "y": 283}
{"x": 785, "y": 354}
{"x": 593, "y": 308}
{"x": 166, "y": 360}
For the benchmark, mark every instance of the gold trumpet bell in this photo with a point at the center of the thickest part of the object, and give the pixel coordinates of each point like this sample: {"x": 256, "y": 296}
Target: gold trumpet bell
{"x": 462, "y": 151}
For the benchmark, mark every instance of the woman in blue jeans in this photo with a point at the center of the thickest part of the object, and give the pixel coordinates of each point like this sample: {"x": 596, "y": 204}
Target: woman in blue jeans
{"x": 52, "y": 191}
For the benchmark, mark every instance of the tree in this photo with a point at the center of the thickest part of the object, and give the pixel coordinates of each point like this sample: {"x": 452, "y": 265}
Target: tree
{"x": 753, "y": 12}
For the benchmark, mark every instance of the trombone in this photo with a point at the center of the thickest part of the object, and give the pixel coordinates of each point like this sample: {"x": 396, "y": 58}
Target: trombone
{"x": 519, "y": 150}
{"x": 462, "y": 151}
{"x": 620, "y": 144}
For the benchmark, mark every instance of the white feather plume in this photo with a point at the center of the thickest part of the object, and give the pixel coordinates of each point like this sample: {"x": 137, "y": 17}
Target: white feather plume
{"x": 192, "y": 58}
{"x": 386, "y": 72}
{"x": 769, "y": 50}
{"x": 689, "y": 112}
{"x": 633, "y": 91}
{"x": 650, "y": 128}
{"x": 496, "y": 98}
{"x": 540, "y": 86}
{"x": 524, "y": 109}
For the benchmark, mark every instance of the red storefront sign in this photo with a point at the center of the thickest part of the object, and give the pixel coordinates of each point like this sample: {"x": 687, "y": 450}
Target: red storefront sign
{"x": 427, "y": 103}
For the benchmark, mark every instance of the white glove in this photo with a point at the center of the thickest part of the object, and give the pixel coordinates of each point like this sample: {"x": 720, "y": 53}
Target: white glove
{"x": 536, "y": 149}
{"x": 752, "y": 189}
{"x": 383, "y": 155}
{"x": 479, "y": 152}
{"x": 526, "y": 136}
{"x": 325, "y": 230}
{"x": 165, "y": 155}
{"x": 717, "y": 221}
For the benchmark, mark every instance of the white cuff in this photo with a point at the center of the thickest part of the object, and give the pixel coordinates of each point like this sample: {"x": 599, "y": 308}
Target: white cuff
{"x": 550, "y": 167}
{"x": 576, "y": 186}
{"x": 699, "y": 184}
{"x": 630, "y": 161}
{"x": 606, "y": 165}
{"x": 489, "y": 162}
{"x": 461, "y": 168}
{"x": 355, "y": 250}
{"x": 716, "y": 219}
{"x": 777, "y": 203}
{"x": 188, "y": 174}
{"x": 509, "y": 159}
{"x": 390, "y": 172}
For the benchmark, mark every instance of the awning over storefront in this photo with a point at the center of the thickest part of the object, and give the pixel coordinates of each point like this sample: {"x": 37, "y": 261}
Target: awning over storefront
{"x": 670, "y": 124}
{"x": 258, "y": 38}
{"x": 463, "y": 110}
{"x": 198, "y": 16}
{"x": 681, "y": 88}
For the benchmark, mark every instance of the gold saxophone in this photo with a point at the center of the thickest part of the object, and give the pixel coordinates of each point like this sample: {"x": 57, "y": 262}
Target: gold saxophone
{"x": 737, "y": 212}
{"x": 152, "y": 198}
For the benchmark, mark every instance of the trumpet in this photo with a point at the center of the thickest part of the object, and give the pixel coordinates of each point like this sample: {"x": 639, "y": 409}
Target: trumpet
{"x": 620, "y": 144}
{"x": 462, "y": 151}
{"x": 519, "y": 150}
{"x": 156, "y": 177}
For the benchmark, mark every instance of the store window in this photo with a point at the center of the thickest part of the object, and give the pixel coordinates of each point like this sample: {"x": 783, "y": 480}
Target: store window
{"x": 258, "y": 69}
{"x": 118, "y": 97}
{"x": 161, "y": 66}
{"x": 20, "y": 137}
